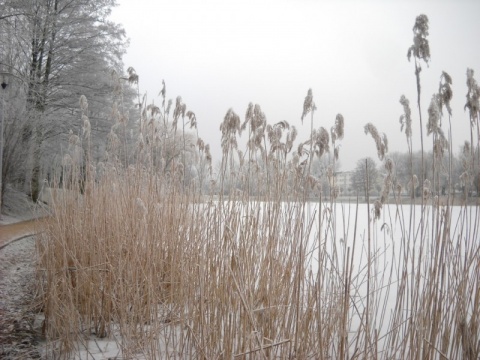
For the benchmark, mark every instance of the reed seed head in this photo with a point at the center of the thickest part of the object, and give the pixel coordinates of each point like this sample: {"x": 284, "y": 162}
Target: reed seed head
{"x": 321, "y": 140}
{"x": 259, "y": 120}
{"x": 338, "y": 130}
{"x": 465, "y": 178}
{"x": 445, "y": 92}
{"x": 163, "y": 92}
{"x": 311, "y": 181}
{"x": 398, "y": 189}
{"x": 192, "y": 118}
{"x": 132, "y": 75}
{"x": 178, "y": 111}
{"x": 67, "y": 160}
{"x": 434, "y": 114}
{"x": 387, "y": 186}
{"x": 308, "y": 104}
{"x": 83, "y": 103}
{"x": 406, "y": 118}
{"x": 291, "y": 136}
{"x": 330, "y": 172}
{"x": 154, "y": 110}
{"x": 113, "y": 140}
{"x": 169, "y": 106}
{"x": 336, "y": 191}
{"x": 248, "y": 117}
{"x": 86, "y": 126}
{"x": 241, "y": 158}
{"x": 381, "y": 141}
{"x": 336, "y": 152}
{"x": 73, "y": 140}
{"x": 473, "y": 97}
{"x": 200, "y": 144}
{"x": 231, "y": 122}
{"x": 389, "y": 165}
{"x": 427, "y": 192}
{"x": 420, "y": 48}
{"x": 440, "y": 145}
{"x": 412, "y": 185}
{"x": 229, "y": 128}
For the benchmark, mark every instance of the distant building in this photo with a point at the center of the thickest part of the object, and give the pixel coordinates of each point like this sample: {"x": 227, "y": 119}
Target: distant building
{"x": 344, "y": 181}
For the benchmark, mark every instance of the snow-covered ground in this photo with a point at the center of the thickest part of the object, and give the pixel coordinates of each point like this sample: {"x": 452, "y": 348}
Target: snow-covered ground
{"x": 18, "y": 337}
{"x": 17, "y": 206}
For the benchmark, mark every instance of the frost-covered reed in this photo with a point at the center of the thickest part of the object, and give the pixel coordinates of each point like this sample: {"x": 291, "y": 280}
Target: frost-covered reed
{"x": 257, "y": 262}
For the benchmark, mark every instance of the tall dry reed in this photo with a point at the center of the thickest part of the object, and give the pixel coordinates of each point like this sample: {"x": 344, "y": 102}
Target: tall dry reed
{"x": 260, "y": 264}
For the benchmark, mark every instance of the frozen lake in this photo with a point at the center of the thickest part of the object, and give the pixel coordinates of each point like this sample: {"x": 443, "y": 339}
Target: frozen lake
{"x": 408, "y": 261}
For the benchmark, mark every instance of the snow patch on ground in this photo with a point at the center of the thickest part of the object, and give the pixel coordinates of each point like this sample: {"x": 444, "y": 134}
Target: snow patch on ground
{"x": 17, "y": 206}
{"x": 18, "y": 337}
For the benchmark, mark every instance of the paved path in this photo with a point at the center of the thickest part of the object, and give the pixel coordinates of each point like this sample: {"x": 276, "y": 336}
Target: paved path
{"x": 18, "y": 338}
{"x": 16, "y": 231}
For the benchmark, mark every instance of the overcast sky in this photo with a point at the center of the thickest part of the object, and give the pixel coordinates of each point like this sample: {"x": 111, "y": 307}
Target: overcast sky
{"x": 219, "y": 54}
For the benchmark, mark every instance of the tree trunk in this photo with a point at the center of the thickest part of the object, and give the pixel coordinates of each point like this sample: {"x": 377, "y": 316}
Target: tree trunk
{"x": 43, "y": 76}
{"x": 48, "y": 66}
{"x": 37, "y": 145}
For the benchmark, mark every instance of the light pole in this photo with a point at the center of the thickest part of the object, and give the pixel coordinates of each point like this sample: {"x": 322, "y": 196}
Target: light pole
{"x": 3, "y": 83}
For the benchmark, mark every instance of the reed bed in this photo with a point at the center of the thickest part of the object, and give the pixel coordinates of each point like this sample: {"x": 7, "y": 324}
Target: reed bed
{"x": 259, "y": 264}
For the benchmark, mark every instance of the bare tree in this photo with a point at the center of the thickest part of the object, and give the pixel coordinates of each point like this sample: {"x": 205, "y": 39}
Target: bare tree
{"x": 359, "y": 177}
{"x": 60, "y": 49}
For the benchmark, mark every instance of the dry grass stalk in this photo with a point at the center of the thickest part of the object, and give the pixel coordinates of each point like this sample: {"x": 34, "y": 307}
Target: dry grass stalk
{"x": 255, "y": 269}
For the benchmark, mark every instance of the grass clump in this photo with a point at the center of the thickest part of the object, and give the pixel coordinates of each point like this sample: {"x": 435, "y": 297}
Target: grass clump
{"x": 148, "y": 250}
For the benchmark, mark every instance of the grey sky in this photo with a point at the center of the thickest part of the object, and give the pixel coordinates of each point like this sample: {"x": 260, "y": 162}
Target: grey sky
{"x": 219, "y": 54}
